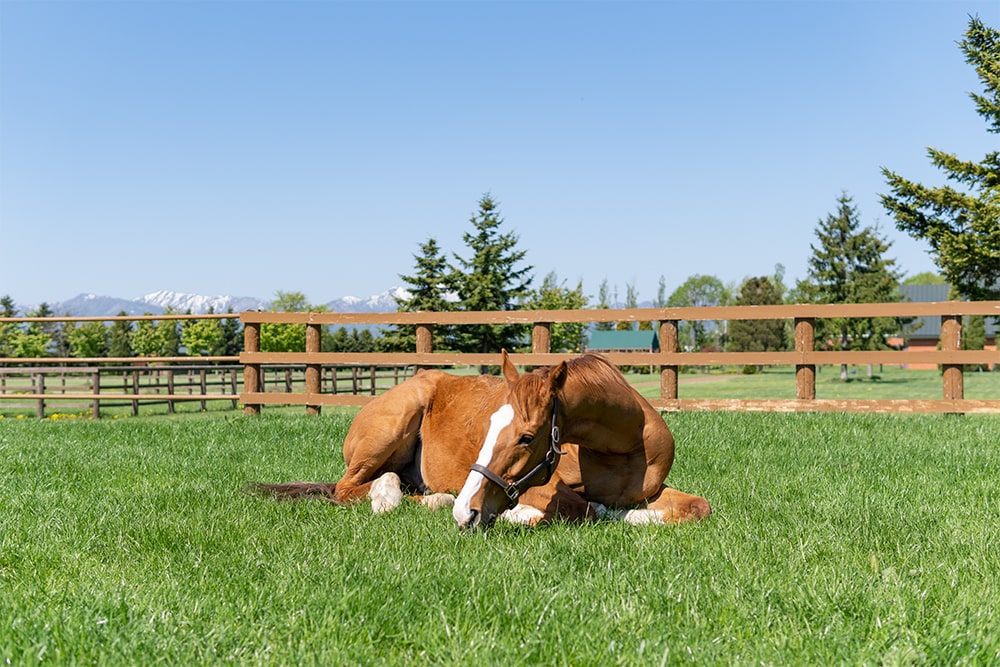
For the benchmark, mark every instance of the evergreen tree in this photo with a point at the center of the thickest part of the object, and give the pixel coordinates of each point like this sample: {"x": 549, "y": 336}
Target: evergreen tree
{"x": 492, "y": 278}
{"x": 554, "y": 295}
{"x": 429, "y": 289}
{"x": 757, "y": 335}
{"x": 170, "y": 335}
{"x": 120, "y": 344}
{"x": 850, "y": 266}
{"x": 631, "y": 301}
{"x": 60, "y": 339}
{"x": 603, "y": 303}
{"x": 962, "y": 227}
{"x": 230, "y": 340}
{"x": 7, "y": 309}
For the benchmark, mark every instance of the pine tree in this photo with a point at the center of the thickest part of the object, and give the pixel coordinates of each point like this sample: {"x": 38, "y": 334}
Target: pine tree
{"x": 429, "y": 290}
{"x": 849, "y": 266}
{"x": 230, "y": 337}
{"x": 963, "y": 228}
{"x": 492, "y": 278}
{"x": 603, "y": 303}
{"x": 631, "y": 301}
{"x": 120, "y": 344}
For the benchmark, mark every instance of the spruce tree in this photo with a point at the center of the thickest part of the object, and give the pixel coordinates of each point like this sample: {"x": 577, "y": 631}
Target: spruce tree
{"x": 962, "y": 224}
{"x": 120, "y": 344}
{"x": 604, "y": 303}
{"x": 492, "y": 278}
{"x": 429, "y": 289}
{"x": 849, "y": 265}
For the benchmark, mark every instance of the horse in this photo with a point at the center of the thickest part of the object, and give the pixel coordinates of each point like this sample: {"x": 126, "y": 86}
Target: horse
{"x": 570, "y": 442}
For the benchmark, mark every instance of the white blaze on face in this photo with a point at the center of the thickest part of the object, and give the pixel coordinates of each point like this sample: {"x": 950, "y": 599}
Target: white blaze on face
{"x": 498, "y": 422}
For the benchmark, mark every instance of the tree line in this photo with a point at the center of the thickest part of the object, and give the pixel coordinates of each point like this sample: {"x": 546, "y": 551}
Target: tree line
{"x": 849, "y": 263}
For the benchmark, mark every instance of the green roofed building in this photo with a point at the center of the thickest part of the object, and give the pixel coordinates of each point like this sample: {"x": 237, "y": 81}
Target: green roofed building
{"x": 623, "y": 341}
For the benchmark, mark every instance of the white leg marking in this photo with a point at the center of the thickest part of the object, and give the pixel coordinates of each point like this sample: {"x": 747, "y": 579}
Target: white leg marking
{"x": 436, "y": 501}
{"x": 498, "y": 422}
{"x": 634, "y": 517}
{"x": 523, "y": 514}
{"x": 386, "y": 493}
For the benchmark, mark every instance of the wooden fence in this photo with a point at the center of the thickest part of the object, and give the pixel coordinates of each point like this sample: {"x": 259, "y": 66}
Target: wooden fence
{"x": 805, "y": 358}
{"x": 302, "y": 375}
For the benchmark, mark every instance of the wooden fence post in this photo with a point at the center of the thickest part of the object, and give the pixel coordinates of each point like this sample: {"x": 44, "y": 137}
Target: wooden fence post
{"x": 805, "y": 374}
{"x": 668, "y": 374}
{"x": 425, "y": 343}
{"x": 95, "y": 380}
{"x": 541, "y": 338}
{"x": 951, "y": 339}
{"x": 251, "y": 372}
{"x": 313, "y": 346}
{"x": 40, "y": 390}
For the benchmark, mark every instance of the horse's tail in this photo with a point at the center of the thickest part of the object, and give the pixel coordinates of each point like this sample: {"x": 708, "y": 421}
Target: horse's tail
{"x": 295, "y": 490}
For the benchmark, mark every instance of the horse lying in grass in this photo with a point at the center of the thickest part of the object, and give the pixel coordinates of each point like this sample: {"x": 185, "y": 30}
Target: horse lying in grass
{"x": 573, "y": 441}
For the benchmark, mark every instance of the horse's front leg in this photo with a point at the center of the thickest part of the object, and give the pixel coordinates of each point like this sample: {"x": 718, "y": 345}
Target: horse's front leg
{"x": 549, "y": 502}
{"x": 668, "y": 506}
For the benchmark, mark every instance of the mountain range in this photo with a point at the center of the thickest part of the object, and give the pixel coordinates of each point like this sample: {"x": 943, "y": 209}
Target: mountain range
{"x": 92, "y": 305}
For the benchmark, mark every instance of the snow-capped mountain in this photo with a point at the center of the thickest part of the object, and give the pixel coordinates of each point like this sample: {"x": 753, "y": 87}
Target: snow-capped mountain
{"x": 92, "y": 305}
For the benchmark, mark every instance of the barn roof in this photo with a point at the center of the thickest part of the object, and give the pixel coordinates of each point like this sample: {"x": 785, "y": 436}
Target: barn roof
{"x": 930, "y": 327}
{"x": 623, "y": 340}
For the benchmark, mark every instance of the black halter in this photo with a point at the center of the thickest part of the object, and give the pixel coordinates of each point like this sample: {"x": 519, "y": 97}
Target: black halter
{"x": 548, "y": 464}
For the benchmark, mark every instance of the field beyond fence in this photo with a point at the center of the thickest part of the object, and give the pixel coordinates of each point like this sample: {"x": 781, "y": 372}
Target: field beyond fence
{"x": 807, "y": 360}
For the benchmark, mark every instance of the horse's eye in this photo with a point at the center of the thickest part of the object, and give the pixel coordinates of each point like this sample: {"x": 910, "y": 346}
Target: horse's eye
{"x": 526, "y": 439}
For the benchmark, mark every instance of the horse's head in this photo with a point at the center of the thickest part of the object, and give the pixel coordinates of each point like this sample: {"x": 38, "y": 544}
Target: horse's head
{"x": 521, "y": 448}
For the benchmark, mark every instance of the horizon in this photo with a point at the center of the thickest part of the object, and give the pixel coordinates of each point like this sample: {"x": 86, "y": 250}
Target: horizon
{"x": 311, "y": 147}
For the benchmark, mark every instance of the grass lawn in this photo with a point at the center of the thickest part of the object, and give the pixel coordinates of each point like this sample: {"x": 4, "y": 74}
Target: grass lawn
{"x": 835, "y": 539}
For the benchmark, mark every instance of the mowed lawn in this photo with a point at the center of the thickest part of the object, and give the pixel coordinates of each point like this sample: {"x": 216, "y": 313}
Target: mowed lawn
{"x": 835, "y": 539}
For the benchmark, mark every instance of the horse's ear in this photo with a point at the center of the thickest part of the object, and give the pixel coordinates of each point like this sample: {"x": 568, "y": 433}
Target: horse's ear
{"x": 558, "y": 376}
{"x": 509, "y": 371}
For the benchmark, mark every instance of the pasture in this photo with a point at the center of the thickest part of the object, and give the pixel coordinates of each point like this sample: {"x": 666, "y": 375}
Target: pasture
{"x": 850, "y": 539}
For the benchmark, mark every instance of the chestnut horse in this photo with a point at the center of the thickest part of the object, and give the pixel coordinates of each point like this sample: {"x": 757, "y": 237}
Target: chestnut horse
{"x": 573, "y": 441}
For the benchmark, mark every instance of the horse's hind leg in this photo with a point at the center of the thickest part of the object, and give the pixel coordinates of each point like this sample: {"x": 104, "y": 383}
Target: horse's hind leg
{"x": 383, "y": 439}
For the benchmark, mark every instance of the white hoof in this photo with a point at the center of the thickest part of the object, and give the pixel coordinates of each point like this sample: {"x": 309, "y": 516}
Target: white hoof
{"x": 386, "y": 493}
{"x": 436, "y": 501}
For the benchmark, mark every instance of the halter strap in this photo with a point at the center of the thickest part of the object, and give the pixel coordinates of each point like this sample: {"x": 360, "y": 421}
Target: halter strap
{"x": 513, "y": 490}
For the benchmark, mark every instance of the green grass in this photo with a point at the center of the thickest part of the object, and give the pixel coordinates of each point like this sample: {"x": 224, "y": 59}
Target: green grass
{"x": 850, "y": 539}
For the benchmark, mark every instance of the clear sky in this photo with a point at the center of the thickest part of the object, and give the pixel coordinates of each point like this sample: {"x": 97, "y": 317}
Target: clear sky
{"x": 244, "y": 148}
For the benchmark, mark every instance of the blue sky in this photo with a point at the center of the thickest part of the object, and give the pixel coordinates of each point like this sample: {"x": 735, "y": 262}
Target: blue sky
{"x": 244, "y": 148}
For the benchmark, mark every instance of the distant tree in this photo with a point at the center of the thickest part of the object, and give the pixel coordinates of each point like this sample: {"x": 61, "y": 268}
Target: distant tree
{"x": 850, "y": 266}
{"x": 493, "y": 277}
{"x": 925, "y": 278}
{"x": 430, "y": 289}
{"x": 287, "y": 337}
{"x": 230, "y": 342}
{"x": 120, "y": 341}
{"x": 604, "y": 303}
{"x": 170, "y": 334}
{"x": 699, "y": 290}
{"x": 554, "y": 295}
{"x": 961, "y": 227}
{"x": 89, "y": 339}
{"x": 631, "y": 301}
{"x": 7, "y": 309}
{"x": 201, "y": 337}
{"x": 974, "y": 338}
{"x": 60, "y": 339}
{"x": 661, "y": 294}
{"x": 757, "y": 335}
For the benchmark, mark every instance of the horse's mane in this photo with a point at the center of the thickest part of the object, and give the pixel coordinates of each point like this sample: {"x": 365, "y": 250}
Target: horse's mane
{"x": 591, "y": 370}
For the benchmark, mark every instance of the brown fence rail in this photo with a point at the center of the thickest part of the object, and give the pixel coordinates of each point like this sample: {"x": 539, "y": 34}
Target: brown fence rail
{"x": 313, "y": 378}
{"x": 805, "y": 358}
